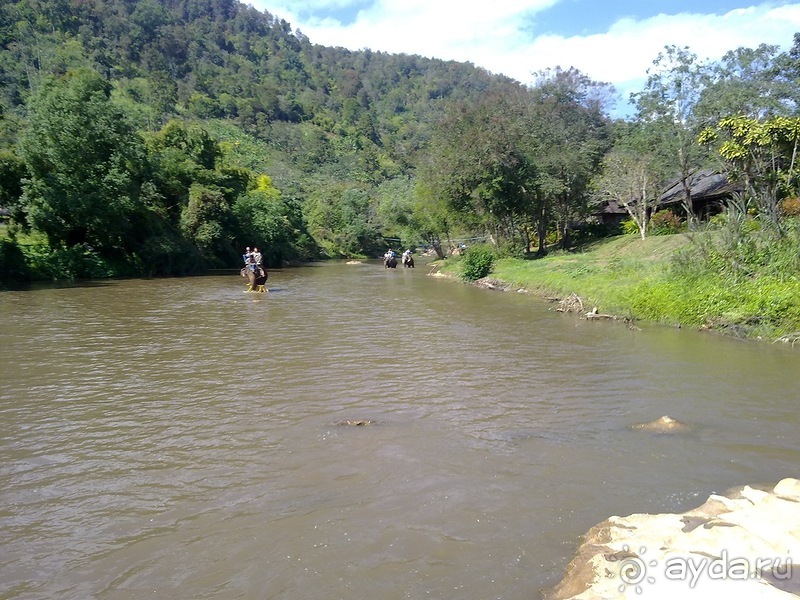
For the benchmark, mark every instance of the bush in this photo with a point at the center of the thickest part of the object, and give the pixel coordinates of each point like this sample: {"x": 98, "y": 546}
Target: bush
{"x": 629, "y": 227}
{"x": 478, "y": 263}
{"x": 13, "y": 266}
{"x": 790, "y": 207}
{"x": 75, "y": 262}
{"x": 510, "y": 249}
{"x": 596, "y": 230}
{"x": 665, "y": 222}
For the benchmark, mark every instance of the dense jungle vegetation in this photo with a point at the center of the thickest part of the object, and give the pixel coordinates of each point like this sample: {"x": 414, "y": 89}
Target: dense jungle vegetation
{"x": 159, "y": 137}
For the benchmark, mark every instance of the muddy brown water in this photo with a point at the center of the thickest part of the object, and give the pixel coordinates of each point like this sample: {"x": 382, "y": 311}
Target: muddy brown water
{"x": 176, "y": 438}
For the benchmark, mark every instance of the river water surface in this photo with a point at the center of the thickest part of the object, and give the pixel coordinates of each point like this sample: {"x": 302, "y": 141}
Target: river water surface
{"x": 176, "y": 438}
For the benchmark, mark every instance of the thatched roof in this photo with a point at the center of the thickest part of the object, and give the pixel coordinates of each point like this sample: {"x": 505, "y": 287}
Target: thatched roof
{"x": 705, "y": 185}
{"x": 611, "y": 207}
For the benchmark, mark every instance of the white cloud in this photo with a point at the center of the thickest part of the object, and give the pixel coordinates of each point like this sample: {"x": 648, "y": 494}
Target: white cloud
{"x": 447, "y": 29}
{"x": 492, "y": 37}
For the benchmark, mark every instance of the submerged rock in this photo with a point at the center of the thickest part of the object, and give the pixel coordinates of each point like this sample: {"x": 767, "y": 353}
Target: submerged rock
{"x": 354, "y": 422}
{"x": 742, "y": 545}
{"x": 665, "y": 424}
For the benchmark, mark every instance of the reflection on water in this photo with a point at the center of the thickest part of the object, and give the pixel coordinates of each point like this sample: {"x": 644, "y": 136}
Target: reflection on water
{"x": 177, "y": 438}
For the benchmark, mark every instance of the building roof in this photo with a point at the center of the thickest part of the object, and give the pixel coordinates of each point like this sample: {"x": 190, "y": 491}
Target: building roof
{"x": 611, "y": 207}
{"x": 705, "y": 184}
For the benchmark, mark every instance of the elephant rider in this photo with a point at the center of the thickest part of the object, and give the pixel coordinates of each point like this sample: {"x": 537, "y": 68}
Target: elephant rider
{"x": 257, "y": 259}
{"x": 250, "y": 259}
{"x": 249, "y": 262}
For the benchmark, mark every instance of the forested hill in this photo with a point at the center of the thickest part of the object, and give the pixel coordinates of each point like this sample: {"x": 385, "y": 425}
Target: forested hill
{"x": 327, "y": 125}
{"x": 224, "y": 59}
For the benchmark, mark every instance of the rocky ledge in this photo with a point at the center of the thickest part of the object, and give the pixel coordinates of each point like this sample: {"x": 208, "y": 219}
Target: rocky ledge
{"x": 745, "y": 544}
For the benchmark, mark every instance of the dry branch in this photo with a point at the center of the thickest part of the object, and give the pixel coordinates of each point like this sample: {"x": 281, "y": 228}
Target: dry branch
{"x": 571, "y": 303}
{"x": 790, "y": 338}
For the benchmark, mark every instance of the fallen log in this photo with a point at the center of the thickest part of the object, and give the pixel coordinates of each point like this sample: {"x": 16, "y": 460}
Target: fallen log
{"x": 593, "y": 314}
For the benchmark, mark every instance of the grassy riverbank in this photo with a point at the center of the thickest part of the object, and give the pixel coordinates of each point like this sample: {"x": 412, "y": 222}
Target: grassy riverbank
{"x": 662, "y": 279}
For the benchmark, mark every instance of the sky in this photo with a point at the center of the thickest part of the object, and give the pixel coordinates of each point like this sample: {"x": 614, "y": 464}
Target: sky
{"x": 612, "y": 41}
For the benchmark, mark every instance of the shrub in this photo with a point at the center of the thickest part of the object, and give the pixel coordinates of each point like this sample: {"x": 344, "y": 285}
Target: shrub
{"x": 478, "y": 263}
{"x": 510, "y": 249}
{"x": 790, "y": 207}
{"x": 665, "y": 222}
{"x": 629, "y": 227}
{"x": 596, "y": 230}
{"x": 13, "y": 266}
{"x": 75, "y": 262}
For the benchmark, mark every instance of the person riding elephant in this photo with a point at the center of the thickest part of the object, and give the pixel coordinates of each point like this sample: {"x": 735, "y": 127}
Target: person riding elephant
{"x": 408, "y": 260}
{"x": 256, "y": 279}
{"x": 254, "y": 270}
{"x": 390, "y": 259}
{"x": 258, "y": 259}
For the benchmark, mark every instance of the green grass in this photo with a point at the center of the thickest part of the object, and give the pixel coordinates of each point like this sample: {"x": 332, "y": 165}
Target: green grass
{"x": 643, "y": 279}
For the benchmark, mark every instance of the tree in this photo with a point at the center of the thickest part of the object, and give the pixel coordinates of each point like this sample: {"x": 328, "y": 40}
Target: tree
{"x": 567, "y": 135}
{"x": 181, "y": 155}
{"x": 85, "y": 162}
{"x": 477, "y": 163}
{"x": 12, "y": 173}
{"x": 761, "y": 154}
{"x": 273, "y": 223}
{"x": 665, "y": 111}
{"x": 788, "y": 69}
{"x": 630, "y": 178}
{"x": 431, "y": 216}
{"x": 394, "y": 207}
{"x": 205, "y": 219}
{"x": 339, "y": 217}
{"x": 749, "y": 82}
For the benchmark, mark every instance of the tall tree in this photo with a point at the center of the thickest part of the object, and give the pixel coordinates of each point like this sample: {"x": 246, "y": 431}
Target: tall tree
{"x": 86, "y": 164}
{"x": 273, "y": 223}
{"x": 630, "y": 177}
{"x": 568, "y": 133}
{"x": 478, "y": 164}
{"x": 747, "y": 81}
{"x": 665, "y": 110}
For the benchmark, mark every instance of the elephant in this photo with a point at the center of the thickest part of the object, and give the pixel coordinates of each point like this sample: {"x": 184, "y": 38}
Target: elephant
{"x": 389, "y": 262}
{"x": 408, "y": 261}
{"x": 257, "y": 279}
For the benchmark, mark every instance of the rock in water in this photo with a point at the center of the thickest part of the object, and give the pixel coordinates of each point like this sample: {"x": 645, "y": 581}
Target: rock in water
{"x": 354, "y": 422}
{"x": 665, "y": 424}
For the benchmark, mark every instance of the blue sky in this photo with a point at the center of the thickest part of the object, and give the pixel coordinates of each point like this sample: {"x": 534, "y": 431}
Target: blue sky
{"x": 614, "y": 41}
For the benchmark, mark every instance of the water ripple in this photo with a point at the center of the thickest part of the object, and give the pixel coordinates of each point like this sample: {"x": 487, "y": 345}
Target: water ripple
{"x": 178, "y": 438}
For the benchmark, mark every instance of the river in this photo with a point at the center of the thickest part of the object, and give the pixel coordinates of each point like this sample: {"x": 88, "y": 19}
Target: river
{"x": 176, "y": 438}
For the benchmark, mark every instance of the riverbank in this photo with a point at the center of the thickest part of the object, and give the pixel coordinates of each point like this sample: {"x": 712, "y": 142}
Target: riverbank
{"x": 653, "y": 280}
{"x": 741, "y": 544}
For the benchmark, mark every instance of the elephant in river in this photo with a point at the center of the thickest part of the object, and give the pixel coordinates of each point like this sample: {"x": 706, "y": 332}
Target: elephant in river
{"x": 389, "y": 262}
{"x": 257, "y": 279}
{"x": 408, "y": 261}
